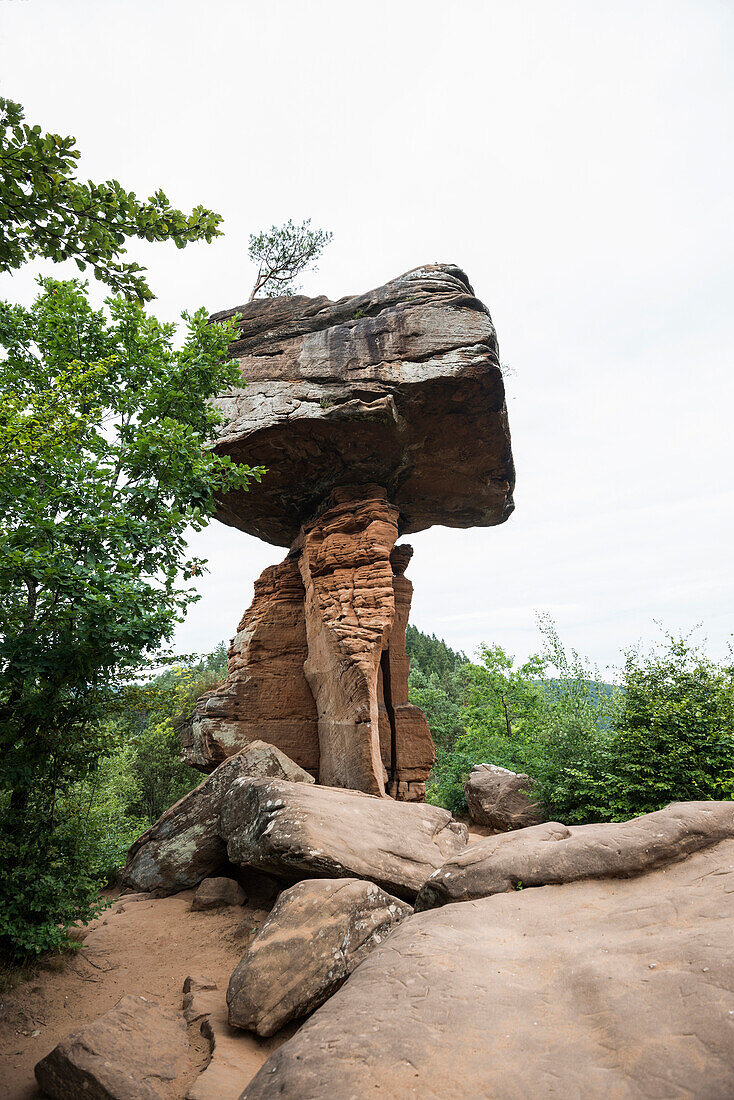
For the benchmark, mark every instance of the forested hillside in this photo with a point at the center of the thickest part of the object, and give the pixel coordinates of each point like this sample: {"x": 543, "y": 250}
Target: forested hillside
{"x": 597, "y": 751}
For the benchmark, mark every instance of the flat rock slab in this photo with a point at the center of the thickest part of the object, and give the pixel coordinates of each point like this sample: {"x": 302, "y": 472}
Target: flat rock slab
{"x": 555, "y": 853}
{"x": 319, "y": 931}
{"x": 399, "y": 387}
{"x": 136, "y": 1051}
{"x": 500, "y": 799}
{"x": 599, "y": 988}
{"x": 300, "y": 831}
{"x": 184, "y": 846}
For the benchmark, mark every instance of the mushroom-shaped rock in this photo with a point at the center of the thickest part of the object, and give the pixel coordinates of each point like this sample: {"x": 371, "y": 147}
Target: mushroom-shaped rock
{"x": 554, "y": 853}
{"x": 399, "y": 387}
{"x": 317, "y": 933}
{"x": 379, "y": 414}
{"x": 295, "y": 830}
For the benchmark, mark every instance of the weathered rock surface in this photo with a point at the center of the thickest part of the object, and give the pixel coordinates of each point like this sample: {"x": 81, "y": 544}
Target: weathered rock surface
{"x": 185, "y": 846}
{"x": 215, "y": 893}
{"x": 346, "y": 571}
{"x": 266, "y": 695}
{"x": 235, "y": 1056}
{"x": 327, "y": 676}
{"x": 555, "y": 853}
{"x": 500, "y": 798}
{"x": 596, "y": 988}
{"x": 407, "y": 746}
{"x": 399, "y": 387}
{"x": 319, "y": 931}
{"x": 299, "y": 831}
{"x": 375, "y": 415}
{"x": 134, "y": 1052}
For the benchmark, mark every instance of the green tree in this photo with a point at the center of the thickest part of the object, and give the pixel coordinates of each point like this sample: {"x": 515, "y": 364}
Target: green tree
{"x": 105, "y": 463}
{"x": 282, "y": 253}
{"x": 675, "y": 737}
{"x": 46, "y": 211}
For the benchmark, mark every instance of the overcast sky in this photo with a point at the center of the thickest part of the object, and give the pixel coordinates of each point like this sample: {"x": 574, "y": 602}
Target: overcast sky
{"x": 575, "y": 158}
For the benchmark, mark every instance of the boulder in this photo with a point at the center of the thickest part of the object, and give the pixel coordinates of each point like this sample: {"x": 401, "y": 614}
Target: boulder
{"x": 554, "y": 853}
{"x": 594, "y": 988}
{"x": 318, "y": 932}
{"x": 399, "y": 387}
{"x": 184, "y": 846}
{"x": 134, "y": 1052}
{"x": 295, "y": 830}
{"x": 500, "y": 798}
{"x": 215, "y": 893}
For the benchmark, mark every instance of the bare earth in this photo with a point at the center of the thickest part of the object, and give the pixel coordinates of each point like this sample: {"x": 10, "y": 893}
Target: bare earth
{"x": 143, "y": 947}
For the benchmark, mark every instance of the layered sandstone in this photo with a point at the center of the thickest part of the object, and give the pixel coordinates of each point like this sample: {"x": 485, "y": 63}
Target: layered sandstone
{"x": 318, "y": 667}
{"x": 594, "y": 988}
{"x": 375, "y": 415}
{"x": 399, "y": 387}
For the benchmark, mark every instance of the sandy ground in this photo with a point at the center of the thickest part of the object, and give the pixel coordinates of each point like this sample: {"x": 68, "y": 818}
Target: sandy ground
{"x": 143, "y": 947}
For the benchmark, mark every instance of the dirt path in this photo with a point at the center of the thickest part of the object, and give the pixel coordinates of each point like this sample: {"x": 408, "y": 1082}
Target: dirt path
{"x": 142, "y": 947}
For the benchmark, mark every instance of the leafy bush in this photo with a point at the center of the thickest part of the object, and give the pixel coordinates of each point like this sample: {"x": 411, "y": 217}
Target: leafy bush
{"x": 596, "y": 752}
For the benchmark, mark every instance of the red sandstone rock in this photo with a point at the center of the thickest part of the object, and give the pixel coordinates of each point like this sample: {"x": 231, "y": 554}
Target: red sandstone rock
{"x": 266, "y": 696}
{"x": 319, "y": 931}
{"x": 555, "y": 853}
{"x": 215, "y": 893}
{"x": 616, "y": 988}
{"x": 298, "y": 830}
{"x": 399, "y": 387}
{"x": 347, "y": 639}
{"x": 345, "y": 565}
{"x": 501, "y": 799}
{"x": 185, "y": 845}
{"x": 134, "y": 1052}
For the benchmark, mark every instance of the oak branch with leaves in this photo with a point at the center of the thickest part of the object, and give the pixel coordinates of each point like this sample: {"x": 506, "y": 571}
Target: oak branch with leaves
{"x": 282, "y": 253}
{"x": 45, "y": 211}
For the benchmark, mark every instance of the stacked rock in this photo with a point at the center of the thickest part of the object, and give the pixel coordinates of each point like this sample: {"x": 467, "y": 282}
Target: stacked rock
{"x": 376, "y": 416}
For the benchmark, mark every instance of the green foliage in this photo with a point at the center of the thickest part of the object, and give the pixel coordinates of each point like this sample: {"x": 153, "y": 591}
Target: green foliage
{"x": 282, "y": 253}
{"x": 596, "y": 752}
{"x": 104, "y": 465}
{"x": 431, "y": 655}
{"x": 675, "y": 736}
{"x": 46, "y": 211}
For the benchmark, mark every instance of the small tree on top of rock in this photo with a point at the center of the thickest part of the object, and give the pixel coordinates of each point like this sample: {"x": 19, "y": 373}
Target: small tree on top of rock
{"x": 281, "y": 254}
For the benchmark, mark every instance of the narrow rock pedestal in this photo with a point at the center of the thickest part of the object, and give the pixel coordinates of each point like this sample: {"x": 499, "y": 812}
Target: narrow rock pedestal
{"x": 319, "y": 667}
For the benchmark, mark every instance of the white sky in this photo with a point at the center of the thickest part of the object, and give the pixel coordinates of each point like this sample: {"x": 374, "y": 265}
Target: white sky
{"x": 576, "y": 158}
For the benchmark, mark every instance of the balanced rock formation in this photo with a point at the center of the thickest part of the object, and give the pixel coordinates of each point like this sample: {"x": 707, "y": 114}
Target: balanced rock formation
{"x": 593, "y": 988}
{"x": 375, "y": 416}
{"x": 500, "y": 798}
{"x": 317, "y": 933}
{"x": 296, "y": 831}
{"x": 553, "y": 853}
{"x": 136, "y": 1051}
